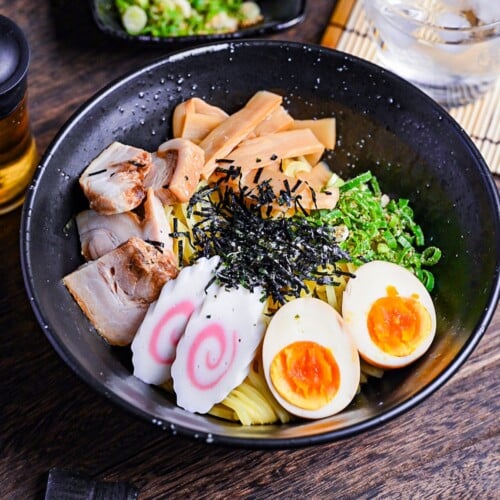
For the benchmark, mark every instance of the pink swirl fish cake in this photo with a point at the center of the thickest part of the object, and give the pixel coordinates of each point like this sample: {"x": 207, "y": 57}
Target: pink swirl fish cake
{"x": 154, "y": 345}
{"x": 219, "y": 344}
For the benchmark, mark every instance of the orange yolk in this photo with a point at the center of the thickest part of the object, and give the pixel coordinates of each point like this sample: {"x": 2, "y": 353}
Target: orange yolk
{"x": 305, "y": 374}
{"x": 397, "y": 325}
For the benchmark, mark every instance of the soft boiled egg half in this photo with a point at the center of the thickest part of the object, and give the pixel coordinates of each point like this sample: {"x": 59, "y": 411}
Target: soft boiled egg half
{"x": 310, "y": 363}
{"x": 389, "y": 314}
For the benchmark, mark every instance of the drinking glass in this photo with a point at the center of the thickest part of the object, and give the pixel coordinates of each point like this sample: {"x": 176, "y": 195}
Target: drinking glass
{"x": 448, "y": 48}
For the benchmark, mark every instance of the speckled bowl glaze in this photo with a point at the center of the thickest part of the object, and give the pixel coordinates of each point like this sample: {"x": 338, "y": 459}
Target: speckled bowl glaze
{"x": 384, "y": 124}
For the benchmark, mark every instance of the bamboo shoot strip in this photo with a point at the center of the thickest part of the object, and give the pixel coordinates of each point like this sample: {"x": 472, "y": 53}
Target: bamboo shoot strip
{"x": 277, "y": 121}
{"x": 264, "y": 150}
{"x": 318, "y": 177}
{"x": 194, "y": 119}
{"x": 324, "y": 129}
{"x": 197, "y": 126}
{"x": 224, "y": 138}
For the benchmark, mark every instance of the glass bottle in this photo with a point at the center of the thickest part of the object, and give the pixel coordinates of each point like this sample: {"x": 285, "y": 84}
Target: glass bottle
{"x": 18, "y": 153}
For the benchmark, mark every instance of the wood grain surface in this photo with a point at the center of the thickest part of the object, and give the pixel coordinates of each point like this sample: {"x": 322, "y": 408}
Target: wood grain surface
{"x": 447, "y": 447}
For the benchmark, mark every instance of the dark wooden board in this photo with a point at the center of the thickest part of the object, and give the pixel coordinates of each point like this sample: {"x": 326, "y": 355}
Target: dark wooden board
{"x": 447, "y": 447}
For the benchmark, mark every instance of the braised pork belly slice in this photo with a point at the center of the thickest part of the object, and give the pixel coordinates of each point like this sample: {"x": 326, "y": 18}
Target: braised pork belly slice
{"x": 99, "y": 234}
{"x": 114, "y": 181}
{"x": 155, "y": 227}
{"x": 182, "y": 163}
{"x": 115, "y": 290}
{"x": 160, "y": 174}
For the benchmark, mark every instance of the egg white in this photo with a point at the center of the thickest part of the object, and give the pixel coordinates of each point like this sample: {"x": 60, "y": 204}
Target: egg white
{"x": 310, "y": 319}
{"x": 370, "y": 284}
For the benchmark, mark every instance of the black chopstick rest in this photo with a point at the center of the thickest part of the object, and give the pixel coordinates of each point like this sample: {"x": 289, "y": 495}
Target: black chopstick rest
{"x": 64, "y": 484}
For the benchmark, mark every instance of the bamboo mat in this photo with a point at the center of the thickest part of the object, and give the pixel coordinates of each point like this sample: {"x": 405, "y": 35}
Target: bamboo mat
{"x": 348, "y": 31}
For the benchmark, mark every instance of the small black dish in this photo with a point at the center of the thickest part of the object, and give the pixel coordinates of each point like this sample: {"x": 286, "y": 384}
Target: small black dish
{"x": 413, "y": 146}
{"x": 278, "y": 16}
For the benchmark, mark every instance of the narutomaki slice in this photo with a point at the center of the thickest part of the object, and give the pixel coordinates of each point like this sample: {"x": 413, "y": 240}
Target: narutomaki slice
{"x": 154, "y": 346}
{"x": 224, "y": 138}
{"x": 115, "y": 290}
{"x": 114, "y": 181}
{"x": 219, "y": 344}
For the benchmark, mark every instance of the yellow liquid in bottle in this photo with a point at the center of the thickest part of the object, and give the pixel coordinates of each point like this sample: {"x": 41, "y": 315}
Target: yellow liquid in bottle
{"x": 18, "y": 157}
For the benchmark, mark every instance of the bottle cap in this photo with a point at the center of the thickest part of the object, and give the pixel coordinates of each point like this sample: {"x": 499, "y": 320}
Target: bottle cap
{"x": 14, "y": 62}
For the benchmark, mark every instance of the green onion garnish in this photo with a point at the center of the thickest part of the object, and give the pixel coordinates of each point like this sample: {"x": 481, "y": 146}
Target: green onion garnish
{"x": 379, "y": 228}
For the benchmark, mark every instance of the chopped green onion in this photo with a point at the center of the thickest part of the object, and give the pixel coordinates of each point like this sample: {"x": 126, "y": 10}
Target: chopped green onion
{"x": 419, "y": 235}
{"x": 334, "y": 181}
{"x": 356, "y": 181}
{"x": 379, "y": 228}
{"x": 134, "y": 19}
{"x": 375, "y": 186}
{"x": 426, "y": 277}
{"x": 165, "y": 18}
{"x": 431, "y": 256}
{"x": 404, "y": 242}
{"x": 390, "y": 240}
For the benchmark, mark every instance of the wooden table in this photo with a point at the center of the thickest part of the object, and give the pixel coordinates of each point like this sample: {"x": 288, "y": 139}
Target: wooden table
{"x": 448, "y": 446}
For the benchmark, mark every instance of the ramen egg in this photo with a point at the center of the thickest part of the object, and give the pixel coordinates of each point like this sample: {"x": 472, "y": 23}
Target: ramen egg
{"x": 310, "y": 363}
{"x": 389, "y": 314}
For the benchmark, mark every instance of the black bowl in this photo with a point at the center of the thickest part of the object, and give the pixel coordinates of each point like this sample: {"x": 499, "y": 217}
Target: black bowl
{"x": 384, "y": 124}
{"x": 278, "y": 15}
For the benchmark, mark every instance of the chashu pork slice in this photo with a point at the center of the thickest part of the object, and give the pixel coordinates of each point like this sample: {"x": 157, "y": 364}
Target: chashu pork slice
{"x": 115, "y": 290}
{"x": 176, "y": 172}
{"x": 189, "y": 160}
{"x": 99, "y": 234}
{"x": 155, "y": 227}
{"x": 160, "y": 173}
{"x": 114, "y": 181}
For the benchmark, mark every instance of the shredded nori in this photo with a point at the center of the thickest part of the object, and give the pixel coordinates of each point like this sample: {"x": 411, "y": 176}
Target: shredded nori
{"x": 137, "y": 163}
{"x": 278, "y": 254}
{"x": 156, "y": 243}
{"x": 159, "y": 245}
{"x": 97, "y": 172}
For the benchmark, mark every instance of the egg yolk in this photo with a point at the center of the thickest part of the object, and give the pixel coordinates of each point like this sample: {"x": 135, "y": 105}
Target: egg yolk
{"x": 397, "y": 325}
{"x": 305, "y": 374}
